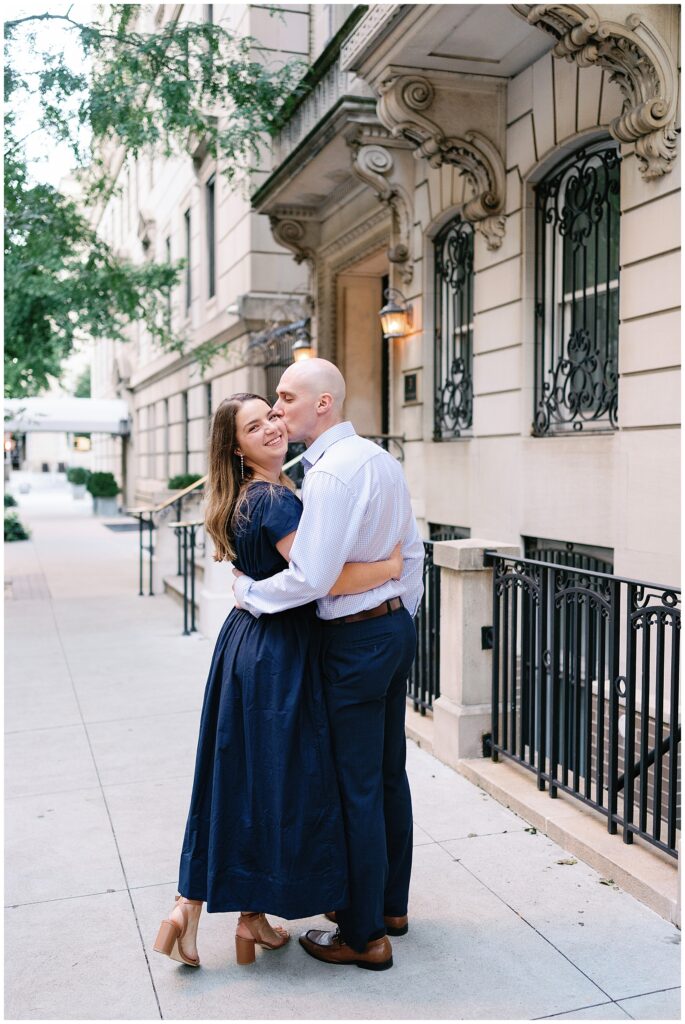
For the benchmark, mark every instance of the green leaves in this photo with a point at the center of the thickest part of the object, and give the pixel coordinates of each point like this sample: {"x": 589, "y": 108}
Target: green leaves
{"x": 159, "y": 91}
{"x": 154, "y": 89}
{"x": 63, "y": 282}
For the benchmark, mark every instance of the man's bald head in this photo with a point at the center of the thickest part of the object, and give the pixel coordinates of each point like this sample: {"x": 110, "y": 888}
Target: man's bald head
{"x": 311, "y": 394}
{"x": 319, "y": 377}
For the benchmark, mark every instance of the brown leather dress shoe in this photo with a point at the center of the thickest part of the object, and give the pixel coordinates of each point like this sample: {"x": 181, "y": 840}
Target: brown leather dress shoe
{"x": 330, "y": 948}
{"x": 393, "y": 925}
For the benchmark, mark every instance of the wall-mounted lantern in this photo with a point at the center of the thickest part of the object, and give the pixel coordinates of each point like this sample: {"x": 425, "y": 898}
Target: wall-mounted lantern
{"x": 396, "y": 315}
{"x": 302, "y": 348}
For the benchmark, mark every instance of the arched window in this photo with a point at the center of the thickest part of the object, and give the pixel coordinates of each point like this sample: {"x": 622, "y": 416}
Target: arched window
{"x": 576, "y": 293}
{"x": 453, "y": 330}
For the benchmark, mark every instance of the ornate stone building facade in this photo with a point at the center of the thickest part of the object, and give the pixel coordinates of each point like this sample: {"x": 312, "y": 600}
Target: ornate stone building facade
{"x": 513, "y": 170}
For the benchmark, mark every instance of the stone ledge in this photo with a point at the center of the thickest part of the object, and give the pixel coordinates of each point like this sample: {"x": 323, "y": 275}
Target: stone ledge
{"x": 646, "y": 874}
{"x": 464, "y": 555}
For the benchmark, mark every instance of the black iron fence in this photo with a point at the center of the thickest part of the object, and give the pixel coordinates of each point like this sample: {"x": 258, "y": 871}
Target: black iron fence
{"x": 423, "y": 684}
{"x": 585, "y": 690}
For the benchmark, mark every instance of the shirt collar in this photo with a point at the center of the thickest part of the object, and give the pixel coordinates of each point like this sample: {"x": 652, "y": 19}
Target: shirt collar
{"x": 325, "y": 440}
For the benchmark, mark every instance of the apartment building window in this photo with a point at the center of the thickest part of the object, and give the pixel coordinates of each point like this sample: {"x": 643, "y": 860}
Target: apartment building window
{"x": 211, "y": 235}
{"x": 167, "y": 247}
{"x": 165, "y": 412}
{"x": 562, "y": 552}
{"x": 189, "y": 277}
{"x": 441, "y": 531}
{"x": 151, "y": 442}
{"x": 576, "y": 293}
{"x": 453, "y": 330}
{"x": 186, "y": 433}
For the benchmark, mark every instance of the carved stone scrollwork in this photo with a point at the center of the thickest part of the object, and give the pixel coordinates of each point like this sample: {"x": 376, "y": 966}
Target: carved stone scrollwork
{"x": 295, "y": 230}
{"x": 380, "y": 167}
{"x": 403, "y": 100}
{"x": 638, "y": 61}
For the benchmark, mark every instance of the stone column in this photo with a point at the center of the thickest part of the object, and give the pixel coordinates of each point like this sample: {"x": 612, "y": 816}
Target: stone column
{"x": 462, "y": 712}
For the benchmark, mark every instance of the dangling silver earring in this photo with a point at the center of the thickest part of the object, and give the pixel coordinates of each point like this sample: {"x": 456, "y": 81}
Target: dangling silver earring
{"x": 242, "y": 467}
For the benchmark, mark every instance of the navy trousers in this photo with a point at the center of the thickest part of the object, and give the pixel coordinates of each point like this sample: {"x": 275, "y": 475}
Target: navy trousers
{"x": 365, "y": 667}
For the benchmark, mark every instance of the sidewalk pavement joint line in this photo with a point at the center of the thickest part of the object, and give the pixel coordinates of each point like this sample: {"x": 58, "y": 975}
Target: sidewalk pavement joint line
{"x": 530, "y": 925}
{"x": 652, "y": 992}
{"x": 64, "y": 899}
{"x": 85, "y": 895}
{"x": 479, "y": 835}
{"x": 575, "y": 1009}
{"x": 104, "y": 800}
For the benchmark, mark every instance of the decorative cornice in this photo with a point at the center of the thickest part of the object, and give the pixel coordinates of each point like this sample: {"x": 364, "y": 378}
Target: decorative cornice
{"x": 378, "y": 162}
{"x": 403, "y": 100}
{"x": 638, "y": 61}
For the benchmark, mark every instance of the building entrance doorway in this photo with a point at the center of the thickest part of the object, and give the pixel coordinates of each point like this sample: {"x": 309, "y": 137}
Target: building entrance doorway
{"x": 363, "y": 353}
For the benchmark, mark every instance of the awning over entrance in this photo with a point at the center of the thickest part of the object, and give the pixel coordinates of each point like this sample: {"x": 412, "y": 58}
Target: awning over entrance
{"x": 67, "y": 415}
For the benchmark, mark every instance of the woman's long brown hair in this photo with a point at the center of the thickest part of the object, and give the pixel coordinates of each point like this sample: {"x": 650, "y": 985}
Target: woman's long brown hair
{"x": 226, "y": 488}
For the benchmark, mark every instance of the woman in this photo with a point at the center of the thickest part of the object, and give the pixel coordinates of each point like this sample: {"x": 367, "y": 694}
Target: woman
{"x": 264, "y": 829}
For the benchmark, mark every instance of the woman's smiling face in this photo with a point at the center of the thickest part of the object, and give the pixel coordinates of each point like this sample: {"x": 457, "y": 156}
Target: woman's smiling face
{"x": 261, "y": 435}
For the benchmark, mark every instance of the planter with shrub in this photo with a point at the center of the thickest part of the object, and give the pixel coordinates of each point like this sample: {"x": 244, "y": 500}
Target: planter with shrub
{"x": 104, "y": 489}
{"x": 10, "y": 501}
{"x": 14, "y": 528}
{"x": 183, "y": 480}
{"x": 78, "y": 478}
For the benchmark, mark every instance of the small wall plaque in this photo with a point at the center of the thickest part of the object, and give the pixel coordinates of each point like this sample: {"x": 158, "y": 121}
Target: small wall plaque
{"x": 410, "y": 392}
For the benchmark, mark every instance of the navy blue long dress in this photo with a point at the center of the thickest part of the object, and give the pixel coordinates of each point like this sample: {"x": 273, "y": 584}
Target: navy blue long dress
{"x": 264, "y": 830}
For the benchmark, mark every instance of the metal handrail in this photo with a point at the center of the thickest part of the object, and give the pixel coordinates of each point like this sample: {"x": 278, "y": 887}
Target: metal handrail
{"x": 145, "y": 516}
{"x": 186, "y": 532}
{"x": 177, "y": 496}
{"x": 293, "y": 462}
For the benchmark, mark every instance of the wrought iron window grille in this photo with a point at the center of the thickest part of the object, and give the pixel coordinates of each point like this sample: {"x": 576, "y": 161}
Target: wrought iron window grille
{"x": 453, "y": 410}
{"x": 576, "y": 293}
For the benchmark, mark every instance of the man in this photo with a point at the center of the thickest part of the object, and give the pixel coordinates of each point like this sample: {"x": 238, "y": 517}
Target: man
{"x": 356, "y": 508}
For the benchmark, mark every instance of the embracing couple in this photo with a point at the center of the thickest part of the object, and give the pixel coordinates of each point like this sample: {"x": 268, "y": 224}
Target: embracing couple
{"x": 300, "y": 803}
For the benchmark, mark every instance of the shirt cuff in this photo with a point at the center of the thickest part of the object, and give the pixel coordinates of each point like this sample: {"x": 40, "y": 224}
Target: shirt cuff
{"x": 241, "y": 589}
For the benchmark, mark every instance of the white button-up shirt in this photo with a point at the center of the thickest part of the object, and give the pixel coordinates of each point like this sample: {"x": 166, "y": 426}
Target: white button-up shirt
{"x": 356, "y": 509}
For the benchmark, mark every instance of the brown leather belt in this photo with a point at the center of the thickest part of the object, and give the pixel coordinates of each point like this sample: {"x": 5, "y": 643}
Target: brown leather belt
{"x": 386, "y": 608}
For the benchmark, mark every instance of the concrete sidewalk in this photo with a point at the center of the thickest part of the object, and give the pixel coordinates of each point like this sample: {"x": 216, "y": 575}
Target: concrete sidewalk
{"x": 102, "y": 703}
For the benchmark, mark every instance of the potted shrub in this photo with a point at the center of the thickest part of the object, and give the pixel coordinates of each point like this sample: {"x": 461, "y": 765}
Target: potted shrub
{"x": 14, "y": 528}
{"x": 10, "y": 501}
{"x": 78, "y": 478}
{"x": 183, "y": 480}
{"x": 104, "y": 489}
